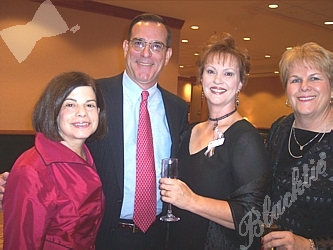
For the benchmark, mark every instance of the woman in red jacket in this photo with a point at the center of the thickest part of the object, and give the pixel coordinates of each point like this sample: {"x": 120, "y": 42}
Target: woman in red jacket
{"x": 54, "y": 197}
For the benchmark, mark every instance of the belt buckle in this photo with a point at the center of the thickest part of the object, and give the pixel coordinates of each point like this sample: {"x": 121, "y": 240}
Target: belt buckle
{"x": 135, "y": 229}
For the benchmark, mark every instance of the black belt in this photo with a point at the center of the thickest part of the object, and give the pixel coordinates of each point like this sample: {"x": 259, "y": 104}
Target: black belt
{"x": 129, "y": 224}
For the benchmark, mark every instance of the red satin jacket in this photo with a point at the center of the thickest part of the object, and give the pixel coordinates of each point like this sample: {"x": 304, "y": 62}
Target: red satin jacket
{"x": 53, "y": 199}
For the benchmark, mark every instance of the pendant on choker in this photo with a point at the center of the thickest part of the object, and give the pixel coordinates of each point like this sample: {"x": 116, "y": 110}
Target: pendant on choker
{"x": 221, "y": 117}
{"x": 218, "y": 136}
{"x": 218, "y": 140}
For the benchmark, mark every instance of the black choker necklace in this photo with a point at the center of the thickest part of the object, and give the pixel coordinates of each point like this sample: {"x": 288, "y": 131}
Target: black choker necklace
{"x": 222, "y": 117}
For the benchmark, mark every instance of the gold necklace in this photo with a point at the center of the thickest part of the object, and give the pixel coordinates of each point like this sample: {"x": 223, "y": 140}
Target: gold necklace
{"x": 292, "y": 130}
{"x": 302, "y": 146}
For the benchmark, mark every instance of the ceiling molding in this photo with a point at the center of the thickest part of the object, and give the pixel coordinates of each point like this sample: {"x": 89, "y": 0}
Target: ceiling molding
{"x": 110, "y": 10}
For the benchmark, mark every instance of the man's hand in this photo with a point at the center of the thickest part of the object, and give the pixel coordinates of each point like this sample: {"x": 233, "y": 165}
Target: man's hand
{"x": 3, "y": 180}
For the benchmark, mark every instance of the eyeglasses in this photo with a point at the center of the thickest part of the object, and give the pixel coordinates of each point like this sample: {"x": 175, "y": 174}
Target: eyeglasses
{"x": 139, "y": 45}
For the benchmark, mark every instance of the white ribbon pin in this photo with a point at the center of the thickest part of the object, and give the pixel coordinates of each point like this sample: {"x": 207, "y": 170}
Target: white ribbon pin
{"x": 214, "y": 144}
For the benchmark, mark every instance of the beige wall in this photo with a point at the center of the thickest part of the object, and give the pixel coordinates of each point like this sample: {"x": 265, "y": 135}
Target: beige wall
{"x": 94, "y": 49}
{"x": 262, "y": 101}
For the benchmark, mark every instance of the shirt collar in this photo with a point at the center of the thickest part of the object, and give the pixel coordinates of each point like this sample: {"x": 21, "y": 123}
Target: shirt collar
{"x": 54, "y": 151}
{"x": 133, "y": 90}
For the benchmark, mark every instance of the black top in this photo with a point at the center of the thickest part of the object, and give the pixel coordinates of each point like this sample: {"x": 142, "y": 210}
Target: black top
{"x": 241, "y": 160}
{"x": 304, "y": 197}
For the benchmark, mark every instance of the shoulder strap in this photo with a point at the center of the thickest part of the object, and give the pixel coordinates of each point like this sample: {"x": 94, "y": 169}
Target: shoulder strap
{"x": 274, "y": 130}
{"x": 183, "y": 133}
{"x": 276, "y": 137}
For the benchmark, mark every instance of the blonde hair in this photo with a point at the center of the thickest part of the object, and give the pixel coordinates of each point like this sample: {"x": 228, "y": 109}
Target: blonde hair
{"x": 309, "y": 54}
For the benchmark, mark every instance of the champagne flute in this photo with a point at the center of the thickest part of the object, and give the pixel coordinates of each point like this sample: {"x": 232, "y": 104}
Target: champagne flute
{"x": 269, "y": 224}
{"x": 169, "y": 170}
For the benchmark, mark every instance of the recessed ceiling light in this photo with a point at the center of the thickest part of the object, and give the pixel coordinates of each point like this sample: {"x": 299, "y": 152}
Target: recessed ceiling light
{"x": 273, "y": 6}
{"x": 196, "y": 54}
{"x": 289, "y": 48}
{"x": 181, "y": 66}
{"x": 267, "y": 56}
{"x": 276, "y": 72}
{"x": 328, "y": 23}
{"x": 194, "y": 27}
{"x": 246, "y": 38}
{"x": 184, "y": 41}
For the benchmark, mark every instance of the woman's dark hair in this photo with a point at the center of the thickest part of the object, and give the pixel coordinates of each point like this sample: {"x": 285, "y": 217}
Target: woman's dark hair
{"x": 153, "y": 18}
{"x": 223, "y": 46}
{"x": 47, "y": 108}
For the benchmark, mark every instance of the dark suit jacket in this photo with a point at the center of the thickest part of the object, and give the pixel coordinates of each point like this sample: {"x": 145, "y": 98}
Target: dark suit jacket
{"x": 109, "y": 153}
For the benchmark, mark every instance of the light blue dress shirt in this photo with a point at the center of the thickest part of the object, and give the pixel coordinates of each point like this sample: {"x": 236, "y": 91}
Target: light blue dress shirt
{"x": 161, "y": 139}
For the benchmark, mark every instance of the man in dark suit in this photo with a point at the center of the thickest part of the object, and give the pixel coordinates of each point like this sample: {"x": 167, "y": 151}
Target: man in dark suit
{"x": 146, "y": 50}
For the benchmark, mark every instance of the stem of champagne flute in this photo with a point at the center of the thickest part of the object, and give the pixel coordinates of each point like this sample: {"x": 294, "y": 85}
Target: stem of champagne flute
{"x": 169, "y": 209}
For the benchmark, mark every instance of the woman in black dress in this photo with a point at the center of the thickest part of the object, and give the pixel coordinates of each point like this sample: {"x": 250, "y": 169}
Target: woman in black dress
{"x": 300, "y": 146}
{"x": 224, "y": 170}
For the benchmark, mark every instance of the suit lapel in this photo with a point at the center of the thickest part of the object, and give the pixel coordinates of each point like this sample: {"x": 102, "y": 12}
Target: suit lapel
{"x": 172, "y": 119}
{"x": 114, "y": 100}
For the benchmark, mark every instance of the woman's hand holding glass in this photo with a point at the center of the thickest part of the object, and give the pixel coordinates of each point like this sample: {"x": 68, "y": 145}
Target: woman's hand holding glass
{"x": 169, "y": 170}
{"x": 177, "y": 193}
{"x": 284, "y": 240}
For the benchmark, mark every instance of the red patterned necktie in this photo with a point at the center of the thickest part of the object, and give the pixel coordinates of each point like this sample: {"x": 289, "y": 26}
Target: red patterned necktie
{"x": 145, "y": 192}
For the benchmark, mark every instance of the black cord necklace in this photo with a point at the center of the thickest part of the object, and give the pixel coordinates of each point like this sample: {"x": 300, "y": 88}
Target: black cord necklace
{"x": 220, "y": 118}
